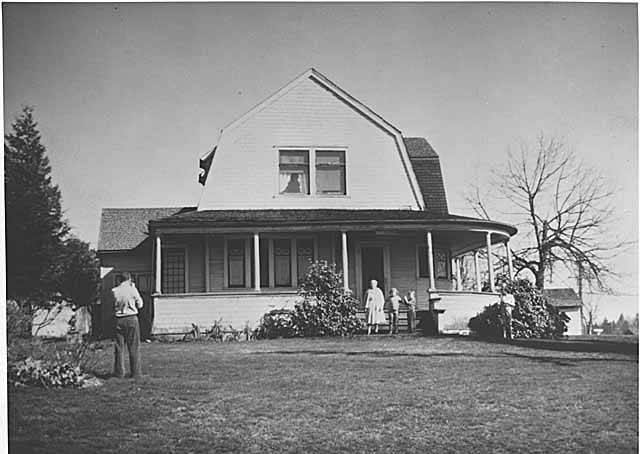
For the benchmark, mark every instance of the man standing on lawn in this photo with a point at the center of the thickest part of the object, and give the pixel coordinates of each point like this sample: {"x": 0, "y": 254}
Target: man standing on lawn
{"x": 127, "y": 301}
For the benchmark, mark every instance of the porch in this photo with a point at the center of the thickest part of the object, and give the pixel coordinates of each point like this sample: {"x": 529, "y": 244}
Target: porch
{"x": 232, "y": 274}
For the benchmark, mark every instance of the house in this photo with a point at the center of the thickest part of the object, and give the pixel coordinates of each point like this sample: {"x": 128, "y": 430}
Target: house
{"x": 309, "y": 173}
{"x": 566, "y": 300}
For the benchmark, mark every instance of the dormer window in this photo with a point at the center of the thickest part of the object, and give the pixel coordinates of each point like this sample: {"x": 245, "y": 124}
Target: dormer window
{"x": 314, "y": 171}
{"x": 294, "y": 172}
{"x": 330, "y": 172}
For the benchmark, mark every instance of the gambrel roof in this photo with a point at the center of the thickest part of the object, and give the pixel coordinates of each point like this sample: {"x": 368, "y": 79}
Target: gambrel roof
{"x": 127, "y": 228}
{"x": 421, "y": 162}
{"x": 315, "y": 75}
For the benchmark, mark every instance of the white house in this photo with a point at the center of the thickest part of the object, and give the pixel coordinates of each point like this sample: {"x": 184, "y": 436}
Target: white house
{"x": 310, "y": 173}
{"x": 566, "y": 300}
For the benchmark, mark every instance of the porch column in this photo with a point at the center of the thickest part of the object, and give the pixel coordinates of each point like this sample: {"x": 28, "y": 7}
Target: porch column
{"x": 458, "y": 282}
{"x": 158, "y": 264}
{"x": 256, "y": 261}
{"x": 492, "y": 284}
{"x": 432, "y": 279}
{"x": 345, "y": 261}
{"x": 476, "y": 263}
{"x": 509, "y": 259}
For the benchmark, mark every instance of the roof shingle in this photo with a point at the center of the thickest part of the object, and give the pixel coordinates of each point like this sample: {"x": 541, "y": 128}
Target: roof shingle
{"x": 126, "y": 228}
{"x": 418, "y": 147}
{"x": 426, "y": 167}
{"x": 562, "y": 297}
{"x": 309, "y": 217}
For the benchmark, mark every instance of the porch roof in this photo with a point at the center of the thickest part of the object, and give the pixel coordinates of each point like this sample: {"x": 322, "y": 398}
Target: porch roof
{"x": 563, "y": 298}
{"x": 123, "y": 229}
{"x": 325, "y": 219}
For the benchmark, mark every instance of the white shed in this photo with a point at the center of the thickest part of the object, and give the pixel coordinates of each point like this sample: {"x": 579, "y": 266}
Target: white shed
{"x": 566, "y": 300}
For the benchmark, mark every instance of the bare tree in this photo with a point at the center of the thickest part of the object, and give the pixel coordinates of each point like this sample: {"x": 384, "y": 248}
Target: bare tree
{"x": 561, "y": 207}
{"x": 590, "y": 310}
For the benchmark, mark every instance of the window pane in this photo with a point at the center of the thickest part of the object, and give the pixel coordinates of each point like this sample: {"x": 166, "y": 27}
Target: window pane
{"x": 294, "y": 172}
{"x": 330, "y": 181}
{"x": 282, "y": 262}
{"x": 330, "y": 172}
{"x": 330, "y": 158}
{"x": 304, "y": 256}
{"x": 441, "y": 261}
{"x": 173, "y": 268}
{"x": 235, "y": 259}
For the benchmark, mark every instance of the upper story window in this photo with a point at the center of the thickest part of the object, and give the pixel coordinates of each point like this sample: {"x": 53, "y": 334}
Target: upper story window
{"x": 294, "y": 172}
{"x": 312, "y": 171}
{"x": 330, "y": 172}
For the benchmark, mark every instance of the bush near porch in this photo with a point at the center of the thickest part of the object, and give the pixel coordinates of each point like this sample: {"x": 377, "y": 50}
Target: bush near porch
{"x": 326, "y": 309}
{"x": 360, "y": 394}
{"x": 532, "y": 316}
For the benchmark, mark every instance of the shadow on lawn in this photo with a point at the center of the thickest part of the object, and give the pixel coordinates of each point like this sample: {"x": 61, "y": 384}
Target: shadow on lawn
{"x": 559, "y": 361}
{"x": 375, "y": 353}
{"x": 568, "y": 345}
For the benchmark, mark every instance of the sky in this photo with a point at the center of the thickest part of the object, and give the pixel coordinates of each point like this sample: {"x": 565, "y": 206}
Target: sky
{"x": 128, "y": 96}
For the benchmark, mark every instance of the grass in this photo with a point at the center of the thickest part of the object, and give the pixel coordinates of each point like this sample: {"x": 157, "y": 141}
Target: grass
{"x": 366, "y": 394}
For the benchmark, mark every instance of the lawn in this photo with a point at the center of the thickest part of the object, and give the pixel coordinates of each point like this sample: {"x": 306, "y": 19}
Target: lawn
{"x": 366, "y": 394}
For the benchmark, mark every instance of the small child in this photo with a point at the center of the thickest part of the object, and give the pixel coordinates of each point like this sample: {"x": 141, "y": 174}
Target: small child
{"x": 410, "y": 301}
{"x": 394, "y": 312}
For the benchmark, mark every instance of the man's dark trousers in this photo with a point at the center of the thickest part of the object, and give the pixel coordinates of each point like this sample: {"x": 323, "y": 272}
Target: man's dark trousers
{"x": 127, "y": 331}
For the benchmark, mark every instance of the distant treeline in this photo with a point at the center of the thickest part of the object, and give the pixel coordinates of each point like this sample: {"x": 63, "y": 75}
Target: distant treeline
{"x": 620, "y": 326}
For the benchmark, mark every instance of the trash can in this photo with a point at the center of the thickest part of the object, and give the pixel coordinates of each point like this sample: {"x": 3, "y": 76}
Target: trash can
{"x": 429, "y": 321}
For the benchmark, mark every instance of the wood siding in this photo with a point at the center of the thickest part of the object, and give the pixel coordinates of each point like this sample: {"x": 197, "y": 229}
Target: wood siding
{"x": 176, "y": 314}
{"x": 574, "y": 326}
{"x": 244, "y": 172}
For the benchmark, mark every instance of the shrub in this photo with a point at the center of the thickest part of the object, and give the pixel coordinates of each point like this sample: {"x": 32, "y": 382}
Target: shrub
{"x": 276, "y": 323}
{"x": 489, "y": 323}
{"x": 532, "y": 316}
{"x": 326, "y": 309}
{"x": 50, "y": 364}
{"x": 18, "y": 321}
{"x": 46, "y": 374}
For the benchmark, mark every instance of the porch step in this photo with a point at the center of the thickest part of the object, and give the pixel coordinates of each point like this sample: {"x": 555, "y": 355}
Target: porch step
{"x": 403, "y": 322}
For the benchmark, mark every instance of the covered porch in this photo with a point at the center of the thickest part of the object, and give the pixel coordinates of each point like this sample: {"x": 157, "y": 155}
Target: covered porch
{"x": 231, "y": 268}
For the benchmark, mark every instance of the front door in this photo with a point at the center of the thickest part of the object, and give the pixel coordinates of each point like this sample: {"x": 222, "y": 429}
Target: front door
{"x": 372, "y": 266}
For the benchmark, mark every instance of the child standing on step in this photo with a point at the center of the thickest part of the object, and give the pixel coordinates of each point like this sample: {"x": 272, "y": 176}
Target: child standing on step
{"x": 394, "y": 312}
{"x": 410, "y": 301}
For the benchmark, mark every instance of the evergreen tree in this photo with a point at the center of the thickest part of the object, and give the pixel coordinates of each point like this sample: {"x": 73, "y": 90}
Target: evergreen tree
{"x": 35, "y": 227}
{"x": 622, "y": 325}
{"x": 79, "y": 275}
